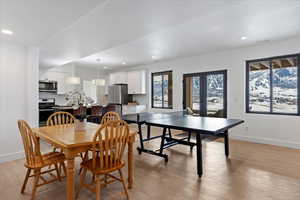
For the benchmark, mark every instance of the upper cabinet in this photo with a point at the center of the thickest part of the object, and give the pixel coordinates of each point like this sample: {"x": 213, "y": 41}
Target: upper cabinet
{"x": 118, "y": 78}
{"x": 57, "y": 76}
{"x": 137, "y": 82}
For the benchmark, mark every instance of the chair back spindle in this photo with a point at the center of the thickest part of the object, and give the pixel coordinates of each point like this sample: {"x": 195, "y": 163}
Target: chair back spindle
{"x": 109, "y": 144}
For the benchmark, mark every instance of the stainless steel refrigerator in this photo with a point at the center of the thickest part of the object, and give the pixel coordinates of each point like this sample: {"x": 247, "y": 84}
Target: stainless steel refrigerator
{"x": 118, "y": 94}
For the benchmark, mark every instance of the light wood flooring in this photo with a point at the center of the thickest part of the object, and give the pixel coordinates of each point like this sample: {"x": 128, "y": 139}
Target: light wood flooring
{"x": 254, "y": 171}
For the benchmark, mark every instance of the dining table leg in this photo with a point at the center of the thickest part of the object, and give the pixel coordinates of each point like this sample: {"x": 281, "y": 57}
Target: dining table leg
{"x": 70, "y": 175}
{"x": 130, "y": 164}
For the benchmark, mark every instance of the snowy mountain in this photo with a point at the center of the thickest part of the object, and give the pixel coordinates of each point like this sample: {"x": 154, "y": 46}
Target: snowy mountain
{"x": 214, "y": 85}
{"x": 285, "y": 78}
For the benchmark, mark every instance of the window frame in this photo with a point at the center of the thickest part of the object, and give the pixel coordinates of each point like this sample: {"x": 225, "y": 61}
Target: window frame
{"x": 170, "y": 89}
{"x": 269, "y": 59}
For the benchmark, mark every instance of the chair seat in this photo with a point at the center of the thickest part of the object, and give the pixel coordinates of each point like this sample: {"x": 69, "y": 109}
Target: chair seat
{"x": 88, "y": 164}
{"x": 48, "y": 159}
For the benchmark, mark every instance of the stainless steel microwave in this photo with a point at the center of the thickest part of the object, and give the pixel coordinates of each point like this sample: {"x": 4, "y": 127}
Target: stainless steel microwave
{"x": 48, "y": 86}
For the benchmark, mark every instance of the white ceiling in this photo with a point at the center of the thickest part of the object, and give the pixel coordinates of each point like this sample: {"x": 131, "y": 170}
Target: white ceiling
{"x": 133, "y": 31}
{"x": 34, "y": 21}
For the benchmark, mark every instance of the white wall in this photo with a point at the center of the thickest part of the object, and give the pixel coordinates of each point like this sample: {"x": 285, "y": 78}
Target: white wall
{"x": 32, "y": 85}
{"x": 18, "y": 95}
{"x": 270, "y": 129}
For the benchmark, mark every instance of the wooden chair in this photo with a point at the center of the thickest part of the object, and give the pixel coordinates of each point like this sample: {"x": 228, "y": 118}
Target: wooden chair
{"x": 108, "y": 147}
{"x": 36, "y": 161}
{"x": 109, "y": 116}
{"x": 60, "y": 118}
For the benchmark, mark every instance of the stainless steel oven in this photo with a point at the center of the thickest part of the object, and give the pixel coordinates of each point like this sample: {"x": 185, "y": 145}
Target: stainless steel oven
{"x": 48, "y": 86}
{"x": 45, "y": 110}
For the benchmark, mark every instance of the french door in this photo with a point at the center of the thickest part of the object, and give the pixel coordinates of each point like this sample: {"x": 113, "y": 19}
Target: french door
{"x": 206, "y": 93}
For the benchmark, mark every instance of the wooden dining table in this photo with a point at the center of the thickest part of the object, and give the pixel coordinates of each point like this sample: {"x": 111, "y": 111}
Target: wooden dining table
{"x": 75, "y": 139}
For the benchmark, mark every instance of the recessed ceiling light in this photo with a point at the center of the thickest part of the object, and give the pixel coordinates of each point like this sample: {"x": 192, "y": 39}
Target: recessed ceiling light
{"x": 123, "y": 63}
{"x": 6, "y": 32}
{"x": 105, "y": 67}
{"x": 243, "y": 38}
{"x": 153, "y": 57}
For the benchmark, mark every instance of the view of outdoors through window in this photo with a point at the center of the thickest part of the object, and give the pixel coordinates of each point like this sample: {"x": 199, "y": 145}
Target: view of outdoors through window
{"x": 160, "y": 86}
{"x": 211, "y": 93}
{"x": 196, "y": 93}
{"x": 165, "y": 90}
{"x": 283, "y": 87}
{"x": 259, "y": 87}
{"x": 157, "y": 91}
{"x": 215, "y": 94}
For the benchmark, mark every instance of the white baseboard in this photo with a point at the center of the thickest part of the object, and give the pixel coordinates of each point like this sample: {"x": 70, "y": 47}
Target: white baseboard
{"x": 11, "y": 156}
{"x": 266, "y": 141}
{"x": 45, "y": 147}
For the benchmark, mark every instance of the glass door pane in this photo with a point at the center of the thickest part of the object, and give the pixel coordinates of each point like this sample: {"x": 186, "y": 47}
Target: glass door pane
{"x": 192, "y": 93}
{"x": 284, "y": 82}
{"x": 165, "y": 90}
{"x": 196, "y": 94}
{"x": 157, "y": 91}
{"x": 259, "y": 86}
{"x": 215, "y": 95}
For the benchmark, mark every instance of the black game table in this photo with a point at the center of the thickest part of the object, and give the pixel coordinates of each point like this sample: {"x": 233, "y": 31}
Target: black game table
{"x": 181, "y": 121}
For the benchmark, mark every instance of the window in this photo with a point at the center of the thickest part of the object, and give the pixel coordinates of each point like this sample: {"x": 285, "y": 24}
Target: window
{"x": 272, "y": 85}
{"x": 162, "y": 89}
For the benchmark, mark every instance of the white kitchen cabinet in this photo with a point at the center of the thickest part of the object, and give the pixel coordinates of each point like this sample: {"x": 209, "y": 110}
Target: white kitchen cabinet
{"x": 137, "y": 82}
{"x": 118, "y": 78}
{"x": 61, "y": 83}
